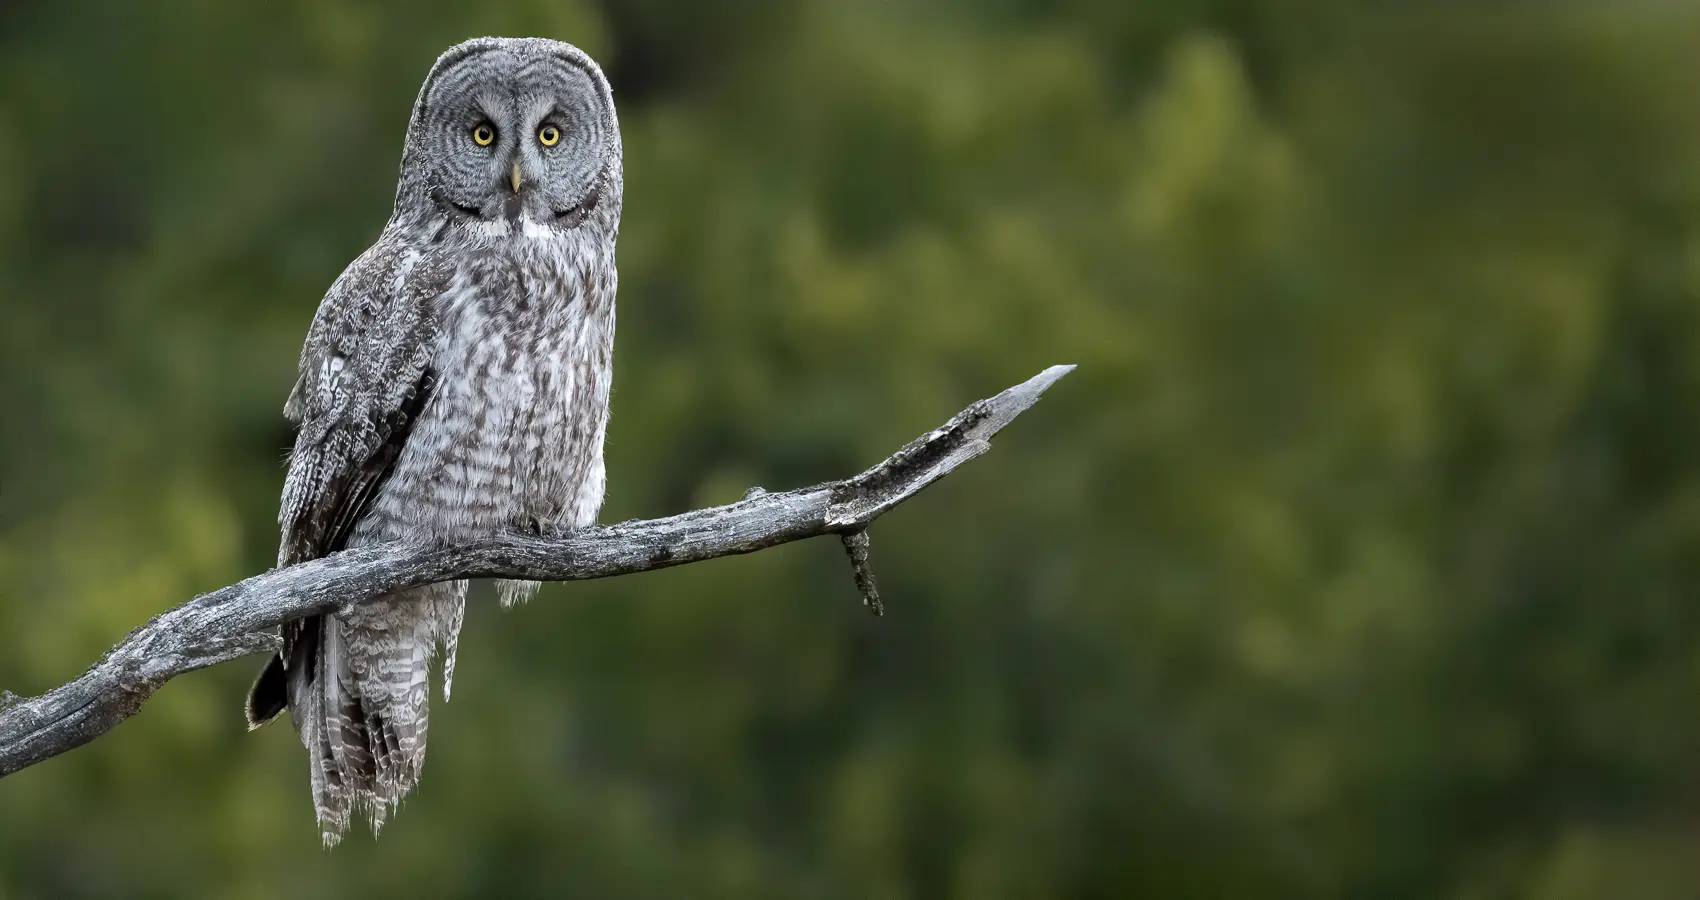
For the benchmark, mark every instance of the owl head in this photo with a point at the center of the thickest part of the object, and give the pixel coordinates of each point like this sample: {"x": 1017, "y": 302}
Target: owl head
{"x": 511, "y": 131}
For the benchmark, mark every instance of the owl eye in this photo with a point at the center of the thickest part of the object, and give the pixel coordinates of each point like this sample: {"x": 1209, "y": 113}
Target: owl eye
{"x": 484, "y": 135}
{"x": 548, "y": 135}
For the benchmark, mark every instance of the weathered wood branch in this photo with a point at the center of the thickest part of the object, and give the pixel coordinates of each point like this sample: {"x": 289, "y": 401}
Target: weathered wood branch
{"x": 242, "y": 619}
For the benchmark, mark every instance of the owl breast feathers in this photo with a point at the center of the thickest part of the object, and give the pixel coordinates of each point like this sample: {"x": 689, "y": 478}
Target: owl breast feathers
{"x": 454, "y": 382}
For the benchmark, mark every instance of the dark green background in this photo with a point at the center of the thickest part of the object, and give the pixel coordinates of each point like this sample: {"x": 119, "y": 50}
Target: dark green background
{"x": 1359, "y": 559}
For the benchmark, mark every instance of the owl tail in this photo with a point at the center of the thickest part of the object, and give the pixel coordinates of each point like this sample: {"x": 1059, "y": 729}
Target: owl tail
{"x": 358, "y": 690}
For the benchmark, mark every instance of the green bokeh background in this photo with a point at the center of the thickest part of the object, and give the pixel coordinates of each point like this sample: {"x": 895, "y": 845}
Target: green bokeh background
{"x": 1359, "y": 559}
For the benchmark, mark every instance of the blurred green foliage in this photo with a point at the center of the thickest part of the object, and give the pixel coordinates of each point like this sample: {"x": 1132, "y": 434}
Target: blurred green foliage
{"x": 1358, "y": 559}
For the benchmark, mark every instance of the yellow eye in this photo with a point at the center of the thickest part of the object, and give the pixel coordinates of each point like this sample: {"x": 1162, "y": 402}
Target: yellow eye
{"x": 548, "y": 135}
{"x": 484, "y": 135}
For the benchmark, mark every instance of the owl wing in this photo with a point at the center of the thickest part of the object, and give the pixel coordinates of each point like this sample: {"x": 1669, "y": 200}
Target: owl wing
{"x": 365, "y": 377}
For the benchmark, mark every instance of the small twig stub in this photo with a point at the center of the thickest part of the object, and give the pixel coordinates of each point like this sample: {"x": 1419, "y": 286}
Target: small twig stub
{"x": 856, "y": 545}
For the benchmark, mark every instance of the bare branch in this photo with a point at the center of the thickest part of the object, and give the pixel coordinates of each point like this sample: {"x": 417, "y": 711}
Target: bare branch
{"x": 242, "y": 619}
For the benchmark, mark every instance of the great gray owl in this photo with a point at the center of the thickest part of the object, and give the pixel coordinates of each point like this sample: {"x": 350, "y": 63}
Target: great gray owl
{"x": 454, "y": 382}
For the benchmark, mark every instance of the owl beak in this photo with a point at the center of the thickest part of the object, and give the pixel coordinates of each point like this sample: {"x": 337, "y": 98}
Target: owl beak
{"x": 515, "y": 179}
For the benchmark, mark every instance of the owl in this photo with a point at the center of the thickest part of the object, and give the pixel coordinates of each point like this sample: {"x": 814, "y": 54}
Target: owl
{"x": 453, "y": 383}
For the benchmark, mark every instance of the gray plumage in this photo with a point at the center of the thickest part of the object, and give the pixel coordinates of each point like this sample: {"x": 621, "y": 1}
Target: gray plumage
{"x": 454, "y": 381}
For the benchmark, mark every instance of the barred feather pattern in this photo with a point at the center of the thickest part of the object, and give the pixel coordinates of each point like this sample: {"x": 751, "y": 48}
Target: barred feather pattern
{"x": 455, "y": 380}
